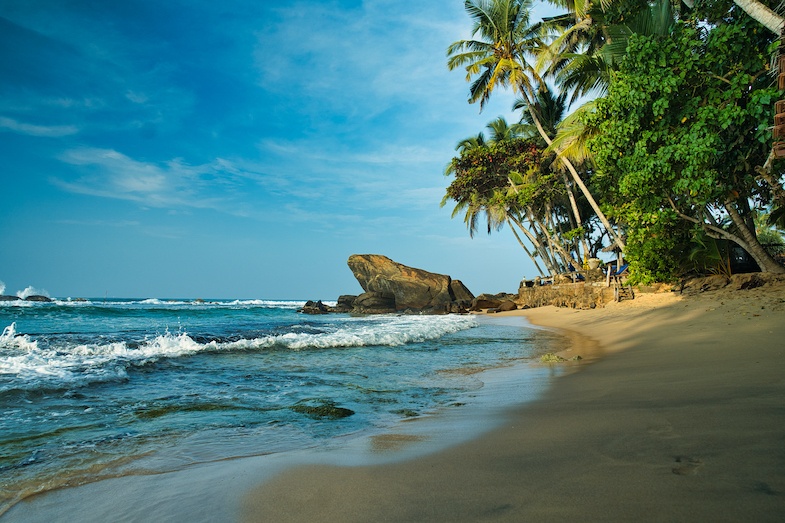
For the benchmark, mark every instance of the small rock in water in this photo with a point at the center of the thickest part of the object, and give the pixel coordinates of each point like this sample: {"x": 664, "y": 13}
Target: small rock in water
{"x": 321, "y": 409}
{"x": 314, "y": 307}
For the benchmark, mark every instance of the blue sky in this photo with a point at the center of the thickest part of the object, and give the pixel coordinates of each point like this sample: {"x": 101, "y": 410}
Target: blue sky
{"x": 241, "y": 148}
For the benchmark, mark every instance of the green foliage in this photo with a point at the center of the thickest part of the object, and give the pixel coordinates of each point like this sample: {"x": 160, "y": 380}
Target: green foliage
{"x": 655, "y": 243}
{"x": 709, "y": 255}
{"x": 772, "y": 241}
{"x": 684, "y": 123}
{"x": 482, "y": 180}
{"x": 481, "y": 170}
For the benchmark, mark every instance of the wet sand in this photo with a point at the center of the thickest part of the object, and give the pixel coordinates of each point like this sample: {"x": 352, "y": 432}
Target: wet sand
{"x": 682, "y": 420}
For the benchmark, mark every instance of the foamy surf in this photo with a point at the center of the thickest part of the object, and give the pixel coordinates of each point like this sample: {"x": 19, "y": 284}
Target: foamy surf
{"x": 25, "y": 363}
{"x": 87, "y": 384}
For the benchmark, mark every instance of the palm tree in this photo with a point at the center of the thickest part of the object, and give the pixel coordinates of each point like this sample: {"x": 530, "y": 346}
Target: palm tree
{"x": 501, "y": 57}
{"x": 501, "y": 130}
{"x": 589, "y": 72}
{"x": 768, "y": 18}
{"x": 470, "y": 143}
{"x": 549, "y": 108}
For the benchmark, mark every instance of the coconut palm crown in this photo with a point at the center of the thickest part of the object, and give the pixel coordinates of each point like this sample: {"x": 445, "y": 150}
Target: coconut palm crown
{"x": 501, "y": 54}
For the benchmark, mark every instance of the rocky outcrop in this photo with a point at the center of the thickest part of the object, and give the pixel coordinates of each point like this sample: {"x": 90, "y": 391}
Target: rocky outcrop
{"x": 374, "y": 303}
{"x": 409, "y": 288}
{"x": 736, "y": 282}
{"x": 493, "y": 301}
{"x": 314, "y": 307}
{"x": 37, "y": 297}
{"x": 33, "y": 297}
{"x": 345, "y": 303}
{"x": 460, "y": 292}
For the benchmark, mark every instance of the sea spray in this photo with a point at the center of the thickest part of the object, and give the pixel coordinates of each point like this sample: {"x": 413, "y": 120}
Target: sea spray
{"x": 31, "y": 291}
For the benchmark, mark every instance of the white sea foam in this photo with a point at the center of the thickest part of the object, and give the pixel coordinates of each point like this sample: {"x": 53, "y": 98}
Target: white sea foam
{"x": 391, "y": 331}
{"x": 283, "y": 304}
{"x": 34, "y": 365}
{"x": 2, "y": 287}
{"x": 276, "y": 304}
{"x": 151, "y": 301}
{"x": 23, "y": 358}
{"x": 31, "y": 291}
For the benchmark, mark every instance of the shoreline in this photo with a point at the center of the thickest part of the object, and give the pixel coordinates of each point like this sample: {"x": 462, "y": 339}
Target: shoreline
{"x": 682, "y": 421}
{"x": 190, "y": 493}
{"x": 674, "y": 413}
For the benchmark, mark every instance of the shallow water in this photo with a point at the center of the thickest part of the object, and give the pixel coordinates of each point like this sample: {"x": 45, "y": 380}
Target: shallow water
{"x": 104, "y": 388}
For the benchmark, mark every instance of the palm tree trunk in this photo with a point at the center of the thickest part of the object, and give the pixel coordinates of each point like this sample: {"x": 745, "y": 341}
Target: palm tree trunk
{"x": 538, "y": 246}
{"x": 557, "y": 247}
{"x": 576, "y": 214}
{"x": 752, "y": 245}
{"x": 526, "y": 249}
{"x": 746, "y": 240}
{"x": 575, "y": 176}
{"x": 768, "y": 18}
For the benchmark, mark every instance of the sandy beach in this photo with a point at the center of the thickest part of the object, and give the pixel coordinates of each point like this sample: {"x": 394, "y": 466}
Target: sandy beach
{"x": 677, "y": 413}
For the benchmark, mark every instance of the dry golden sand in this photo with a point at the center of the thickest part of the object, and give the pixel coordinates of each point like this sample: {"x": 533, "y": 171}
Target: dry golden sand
{"x": 682, "y": 420}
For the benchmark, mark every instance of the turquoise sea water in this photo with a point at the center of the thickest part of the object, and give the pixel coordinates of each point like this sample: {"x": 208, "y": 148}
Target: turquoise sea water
{"x": 87, "y": 388}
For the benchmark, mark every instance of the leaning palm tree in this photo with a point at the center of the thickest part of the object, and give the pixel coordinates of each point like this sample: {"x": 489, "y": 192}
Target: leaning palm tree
{"x": 501, "y": 57}
{"x": 550, "y": 110}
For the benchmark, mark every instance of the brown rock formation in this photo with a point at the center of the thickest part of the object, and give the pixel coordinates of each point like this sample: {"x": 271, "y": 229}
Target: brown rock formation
{"x": 412, "y": 288}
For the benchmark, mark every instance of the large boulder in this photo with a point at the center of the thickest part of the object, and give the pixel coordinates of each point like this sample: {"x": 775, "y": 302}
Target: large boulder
{"x": 460, "y": 291}
{"x": 374, "y": 303}
{"x": 493, "y": 301}
{"x": 345, "y": 303}
{"x": 412, "y": 288}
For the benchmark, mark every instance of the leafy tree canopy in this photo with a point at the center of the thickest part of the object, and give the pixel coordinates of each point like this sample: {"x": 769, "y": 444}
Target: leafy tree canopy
{"x": 480, "y": 171}
{"x": 681, "y": 131}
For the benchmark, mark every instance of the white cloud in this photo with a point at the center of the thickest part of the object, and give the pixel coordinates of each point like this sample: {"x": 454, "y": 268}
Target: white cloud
{"x": 136, "y": 97}
{"x": 111, "y": 174}
{"x": 51, "y": 131}
{"x": 364, "y": 60}
{"x": 100, "y": 223}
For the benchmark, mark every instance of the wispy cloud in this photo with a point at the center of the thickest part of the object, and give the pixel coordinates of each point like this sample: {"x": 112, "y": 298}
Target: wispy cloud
{"x": 111, "y": 174}
{"x": 37, "y": 130}
{"x": 100, "y": 223}
{"x": 362, "y": 61}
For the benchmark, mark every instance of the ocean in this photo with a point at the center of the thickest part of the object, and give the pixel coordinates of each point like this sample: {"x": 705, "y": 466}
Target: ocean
{"x": 99, "y": 388}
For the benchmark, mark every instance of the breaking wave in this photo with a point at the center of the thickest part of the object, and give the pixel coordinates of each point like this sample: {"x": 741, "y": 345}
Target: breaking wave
{"x": 29, "y": 363}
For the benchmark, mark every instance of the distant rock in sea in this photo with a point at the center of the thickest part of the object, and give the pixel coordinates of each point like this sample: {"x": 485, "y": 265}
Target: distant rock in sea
{"x": 315, "y": 307}
{"x": 33, "y": 297}
{"x": 38, "y": 297}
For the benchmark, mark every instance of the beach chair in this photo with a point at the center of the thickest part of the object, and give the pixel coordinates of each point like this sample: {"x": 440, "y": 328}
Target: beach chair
{"x": 621, "y": 289}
